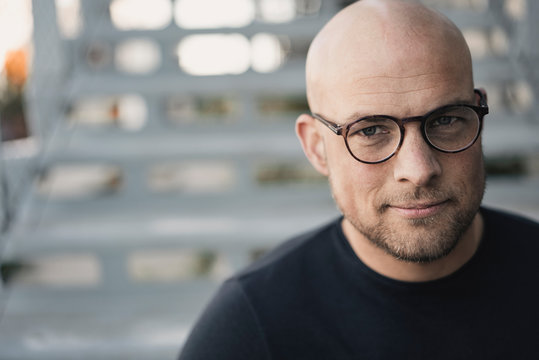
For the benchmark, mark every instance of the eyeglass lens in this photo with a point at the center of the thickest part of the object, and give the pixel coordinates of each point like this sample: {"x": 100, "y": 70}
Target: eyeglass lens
{"x": 451, "y": 129}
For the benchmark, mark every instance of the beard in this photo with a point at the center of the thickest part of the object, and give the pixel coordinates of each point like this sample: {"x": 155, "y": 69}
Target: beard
{"x": 421, "y": 240}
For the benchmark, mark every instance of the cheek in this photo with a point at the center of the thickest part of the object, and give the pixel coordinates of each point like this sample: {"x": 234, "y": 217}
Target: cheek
{"x": 468, "y": 165}
{"x": 463, "y": 176}
{"x": 355, "y": 185}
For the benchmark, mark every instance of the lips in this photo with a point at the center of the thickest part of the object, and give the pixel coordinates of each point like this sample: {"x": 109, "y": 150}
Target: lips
{"x": 419, "y": 210}
{"x": 418, "y": 205}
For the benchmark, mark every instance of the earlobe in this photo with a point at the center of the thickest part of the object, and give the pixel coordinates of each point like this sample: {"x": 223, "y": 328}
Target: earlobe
{"x": 312, "y": 142}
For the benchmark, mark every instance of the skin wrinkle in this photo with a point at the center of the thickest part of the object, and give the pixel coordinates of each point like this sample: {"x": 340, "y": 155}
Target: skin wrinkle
{"x": 396, "y": 76}
{"x": 397, "y": 92}
{"x": 416, "y": 61}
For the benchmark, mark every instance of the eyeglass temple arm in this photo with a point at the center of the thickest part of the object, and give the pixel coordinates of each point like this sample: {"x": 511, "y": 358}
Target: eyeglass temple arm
{"x": 482, "y": 96}
{"x": 337, "y": 129}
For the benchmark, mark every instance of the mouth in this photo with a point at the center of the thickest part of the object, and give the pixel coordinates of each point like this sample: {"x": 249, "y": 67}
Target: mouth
{"x": 420, "y": 209}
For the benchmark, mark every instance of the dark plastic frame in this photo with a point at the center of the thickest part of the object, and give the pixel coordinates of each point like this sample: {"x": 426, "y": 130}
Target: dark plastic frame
{"x": 342, "y": 130}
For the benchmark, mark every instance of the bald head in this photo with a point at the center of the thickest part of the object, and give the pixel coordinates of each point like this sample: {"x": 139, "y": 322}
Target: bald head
{"x": 393, "y": 45}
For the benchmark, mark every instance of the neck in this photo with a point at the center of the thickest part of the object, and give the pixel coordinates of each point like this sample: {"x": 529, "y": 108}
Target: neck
{"x": 389, "y": 266}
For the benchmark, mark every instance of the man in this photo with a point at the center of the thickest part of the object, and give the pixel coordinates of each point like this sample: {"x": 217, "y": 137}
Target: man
{"x": 414, "y": 268}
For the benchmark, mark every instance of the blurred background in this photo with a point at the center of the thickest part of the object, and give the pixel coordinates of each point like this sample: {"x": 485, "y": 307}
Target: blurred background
{"x": 148, "y": 152}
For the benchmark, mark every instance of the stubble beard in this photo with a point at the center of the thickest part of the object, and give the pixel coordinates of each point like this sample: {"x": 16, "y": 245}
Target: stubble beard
{"x": 427, "y": 239}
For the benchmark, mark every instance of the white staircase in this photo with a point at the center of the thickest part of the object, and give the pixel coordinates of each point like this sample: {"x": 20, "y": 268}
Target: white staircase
{"x": 178, "y": 180}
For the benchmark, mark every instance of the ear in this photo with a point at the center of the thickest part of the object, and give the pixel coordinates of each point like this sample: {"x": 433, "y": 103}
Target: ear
{"x": 312, "y": 142}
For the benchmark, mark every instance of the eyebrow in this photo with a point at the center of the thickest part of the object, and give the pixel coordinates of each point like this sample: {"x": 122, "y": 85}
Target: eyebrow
{"x": 357, "y": 115}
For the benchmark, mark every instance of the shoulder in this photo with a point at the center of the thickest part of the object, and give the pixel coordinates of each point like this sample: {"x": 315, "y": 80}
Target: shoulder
{"x": 500, "y": 223}
{"x": 227, "y": 329}
{"x": 235, "y": 322}
{"x": 299, "y": 251}
{"x": 511, "y": 240}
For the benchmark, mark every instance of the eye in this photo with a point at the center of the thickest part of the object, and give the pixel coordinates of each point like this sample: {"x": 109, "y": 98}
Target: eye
{"x": 370, "y": 131}
{"x": 447, "y": 120}
{"x": 373, "y": 131}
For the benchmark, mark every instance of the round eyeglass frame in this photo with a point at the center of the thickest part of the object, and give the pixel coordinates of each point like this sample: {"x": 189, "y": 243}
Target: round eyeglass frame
{"x": 342, "y": 130}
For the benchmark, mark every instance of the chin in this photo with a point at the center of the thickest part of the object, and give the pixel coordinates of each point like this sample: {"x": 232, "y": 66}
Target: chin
{"x": 422, "y": 239}
{"x": 421, "y": 248}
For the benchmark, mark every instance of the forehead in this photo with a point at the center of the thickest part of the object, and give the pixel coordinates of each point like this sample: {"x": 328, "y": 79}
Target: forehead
{"x": 388, "y": 61}
{"x": 393, "y": 92}
{"x": 401, "y": 80}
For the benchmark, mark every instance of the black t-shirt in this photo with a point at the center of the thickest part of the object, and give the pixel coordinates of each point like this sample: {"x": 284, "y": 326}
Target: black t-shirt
{"x": 312, "y": 298}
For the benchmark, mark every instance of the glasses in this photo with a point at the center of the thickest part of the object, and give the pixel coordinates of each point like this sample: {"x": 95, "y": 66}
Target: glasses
{"x": 449, "y": 129}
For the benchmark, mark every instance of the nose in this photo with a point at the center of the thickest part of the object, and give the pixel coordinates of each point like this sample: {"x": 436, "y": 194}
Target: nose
{"x": 416, "y": 162}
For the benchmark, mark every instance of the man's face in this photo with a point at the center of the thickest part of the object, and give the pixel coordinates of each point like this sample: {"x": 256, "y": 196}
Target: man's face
{"x": 418, "y": 204}
{"x": 402, "y": 60}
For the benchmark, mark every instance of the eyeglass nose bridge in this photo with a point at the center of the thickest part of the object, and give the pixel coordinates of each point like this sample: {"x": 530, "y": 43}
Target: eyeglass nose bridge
{"x": 403, "y": 121}
{"x": 407, "y": 120}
